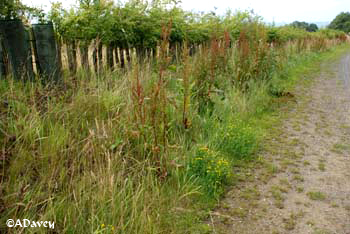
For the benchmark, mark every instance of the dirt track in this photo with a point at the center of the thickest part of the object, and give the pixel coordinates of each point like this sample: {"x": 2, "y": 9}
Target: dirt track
{"x": 304, "y": 185}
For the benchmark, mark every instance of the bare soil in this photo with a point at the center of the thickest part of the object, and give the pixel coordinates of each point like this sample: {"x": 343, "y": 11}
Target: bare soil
{"x": 303, "y": 185}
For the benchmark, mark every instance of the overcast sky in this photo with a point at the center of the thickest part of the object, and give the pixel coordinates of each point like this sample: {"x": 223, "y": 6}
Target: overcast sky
{"x": 270, "y": 10}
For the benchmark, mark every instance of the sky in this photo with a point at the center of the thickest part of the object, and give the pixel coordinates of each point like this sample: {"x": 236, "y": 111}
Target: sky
{"x": 279, "y": 11}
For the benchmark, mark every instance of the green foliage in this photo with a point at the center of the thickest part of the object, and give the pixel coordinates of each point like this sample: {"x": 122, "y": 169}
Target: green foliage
{"x": 137, "y": 24}
{"x": 115, "y": 149}
{"x": 341, "y": 22}
{"x": 332, "y": 34}
{"x": 303, "y": 25}
{"x": 212, "y": 170}
{"x": 277, "y": 86}
{"x": 86, "y": 148}
{"x": 238, "y": 140}
{"x": 288, "y": 33}
{"x": 273, "y": 36}
{"x": 15, "y": 9}
{"x": 312, "y": 28}
{"x": 8, "y": 9}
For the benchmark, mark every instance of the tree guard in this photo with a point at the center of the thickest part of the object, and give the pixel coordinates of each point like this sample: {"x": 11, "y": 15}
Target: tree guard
{"x": 94, "y": 58}
{"x": 122, "y": 59}
{"x": 16, "y": 42}
{"x": 128, "y": 57}
{"x": 84, "y": 54}
{"x": 47, "y": 54}
{"x": 99, "y": 56}
{"x": 72, "y": 56}
{"x": 109, "y": 55}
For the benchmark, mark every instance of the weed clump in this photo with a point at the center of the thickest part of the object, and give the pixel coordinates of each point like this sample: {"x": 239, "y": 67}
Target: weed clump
{"x": 238, "y": 140}
{"x": 212, "y": 169}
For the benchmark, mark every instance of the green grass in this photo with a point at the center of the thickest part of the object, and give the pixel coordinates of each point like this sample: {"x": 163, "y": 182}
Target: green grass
{"x": 106, "y": 152}
{"x": 321, "y": 166}
{"x": 291, "y": 221}
{"x": 340, "y": 148}
{"x": 317, "y": 196}
{"x": 238, "y": 139}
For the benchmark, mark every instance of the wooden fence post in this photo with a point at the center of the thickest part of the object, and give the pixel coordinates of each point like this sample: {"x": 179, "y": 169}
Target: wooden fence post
{"x": 116, "y": 55}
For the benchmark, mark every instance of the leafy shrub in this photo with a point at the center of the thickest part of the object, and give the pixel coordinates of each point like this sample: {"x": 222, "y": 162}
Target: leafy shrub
{"x": 277, "y": 85}
{"x": 273, "y": 36}
{"x": 212, "y": 169}
{"x": 238, "y": 140}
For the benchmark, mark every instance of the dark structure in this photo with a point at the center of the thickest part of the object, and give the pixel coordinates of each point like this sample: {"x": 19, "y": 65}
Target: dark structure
{"x": 48, "y": 61}
{"x": 16, "y": 42}
{"x": 2, "y": 60}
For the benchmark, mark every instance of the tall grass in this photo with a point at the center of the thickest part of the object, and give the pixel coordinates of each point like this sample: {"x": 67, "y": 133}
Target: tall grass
{"x": 131, "y": 151}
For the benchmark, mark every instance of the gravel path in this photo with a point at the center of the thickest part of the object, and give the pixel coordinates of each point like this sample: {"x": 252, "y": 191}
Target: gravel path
{"x": 304, "y": 184}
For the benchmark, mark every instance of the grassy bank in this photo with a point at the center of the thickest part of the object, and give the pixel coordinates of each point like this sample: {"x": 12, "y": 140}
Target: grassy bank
{"x": 147, "y": 150}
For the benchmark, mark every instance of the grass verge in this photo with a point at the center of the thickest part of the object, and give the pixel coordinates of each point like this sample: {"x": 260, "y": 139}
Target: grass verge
{"x": 84, "y": 156}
